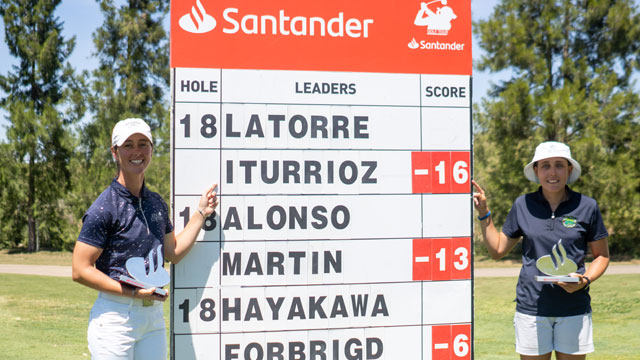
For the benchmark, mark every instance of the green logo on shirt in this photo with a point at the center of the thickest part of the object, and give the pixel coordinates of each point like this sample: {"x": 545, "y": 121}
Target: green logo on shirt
{"x": 569, "y": 221}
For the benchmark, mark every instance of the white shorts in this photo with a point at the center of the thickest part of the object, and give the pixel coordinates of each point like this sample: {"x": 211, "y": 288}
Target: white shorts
{"x": 122, "y": 328}
{"x": 539, "y": 335}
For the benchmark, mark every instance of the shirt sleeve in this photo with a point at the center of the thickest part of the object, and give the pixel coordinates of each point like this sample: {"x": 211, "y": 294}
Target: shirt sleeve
{"x": 511, "y": 228}
{"x": 169, "y": 225}
{"x": 95, "y": 228}
{"x": 597, "y": 230}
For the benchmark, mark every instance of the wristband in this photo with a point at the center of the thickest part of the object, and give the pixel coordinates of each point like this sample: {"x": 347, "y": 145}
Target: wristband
{"x": 201, "y": 213}
{"x": 485, "y": 216}
{"x": 588, "y": 281}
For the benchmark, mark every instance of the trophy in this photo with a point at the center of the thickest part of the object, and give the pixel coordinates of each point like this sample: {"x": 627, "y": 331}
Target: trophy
{"x": 155, "y": 278}
{"x": 557, "y": 268}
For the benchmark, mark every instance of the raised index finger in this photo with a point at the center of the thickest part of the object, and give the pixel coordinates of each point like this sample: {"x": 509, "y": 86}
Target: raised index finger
{"x": 210, "y": 191}
{"x": 478, "y": 188}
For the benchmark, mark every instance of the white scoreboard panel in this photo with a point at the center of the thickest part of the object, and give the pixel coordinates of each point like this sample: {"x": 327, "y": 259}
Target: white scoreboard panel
{"x": 344, "y": 224}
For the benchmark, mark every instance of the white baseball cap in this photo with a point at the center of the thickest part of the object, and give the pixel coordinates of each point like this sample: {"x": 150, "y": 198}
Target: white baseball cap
{"x": 551, "y": 149}
{"x": 127, "y": 127}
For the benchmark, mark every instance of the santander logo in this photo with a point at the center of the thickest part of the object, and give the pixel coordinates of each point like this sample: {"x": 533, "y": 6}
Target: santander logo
{"x": 281, "y": 22}
{"x": 198, "y": 21}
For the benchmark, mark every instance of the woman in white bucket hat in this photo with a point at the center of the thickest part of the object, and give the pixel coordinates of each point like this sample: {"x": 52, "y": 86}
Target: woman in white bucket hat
{"x": 557, "y": 226}
{"x": 126, "y": 234}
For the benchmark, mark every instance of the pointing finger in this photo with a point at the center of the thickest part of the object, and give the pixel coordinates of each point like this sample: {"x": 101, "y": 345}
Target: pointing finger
{"x": 210, "y": 191}
{"x": 478, "y": 188}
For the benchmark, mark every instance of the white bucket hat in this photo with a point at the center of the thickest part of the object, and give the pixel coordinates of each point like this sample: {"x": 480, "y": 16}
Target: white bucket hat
{"x": 127, "y": 127}
{"x": 551, "y": 149}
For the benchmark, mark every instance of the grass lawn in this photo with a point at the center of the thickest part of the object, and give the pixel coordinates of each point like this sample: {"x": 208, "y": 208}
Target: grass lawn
{"x": 615, "y": 300}
{"x": 60, "y": 258}
{"x": 46, "y": 317}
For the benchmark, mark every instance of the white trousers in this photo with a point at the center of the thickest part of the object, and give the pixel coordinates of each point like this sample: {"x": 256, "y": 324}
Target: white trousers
{"x": 122, "y": 328}
{"x": 539, "y": 335}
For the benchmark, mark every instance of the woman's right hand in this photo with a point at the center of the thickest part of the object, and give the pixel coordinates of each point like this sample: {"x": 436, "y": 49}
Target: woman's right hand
{"x": 479, "y": 199}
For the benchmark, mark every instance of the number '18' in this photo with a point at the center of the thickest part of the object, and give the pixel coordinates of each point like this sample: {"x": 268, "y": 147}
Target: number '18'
{"x": 208, "y": 129}
{"x": 207, "y": 312}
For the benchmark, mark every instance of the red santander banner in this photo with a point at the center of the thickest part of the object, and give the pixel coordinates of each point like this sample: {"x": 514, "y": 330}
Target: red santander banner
{"x": 396, "y": 36}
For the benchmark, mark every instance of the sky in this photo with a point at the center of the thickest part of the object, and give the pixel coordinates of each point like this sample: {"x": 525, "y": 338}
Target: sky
{"x": 82, "y": 17}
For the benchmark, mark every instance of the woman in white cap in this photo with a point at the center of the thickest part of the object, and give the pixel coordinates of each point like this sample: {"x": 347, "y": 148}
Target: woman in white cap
{"x": 557, "y": 226}
{"x": 125, "y": 236}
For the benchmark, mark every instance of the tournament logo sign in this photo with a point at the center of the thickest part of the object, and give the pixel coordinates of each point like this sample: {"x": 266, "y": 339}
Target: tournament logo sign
{"x": 391, "y": 36}
{"x": 438, "y": 22}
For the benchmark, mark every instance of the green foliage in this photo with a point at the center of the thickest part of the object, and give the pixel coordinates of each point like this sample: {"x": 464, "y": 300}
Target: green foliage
{"x": 11, "y": 199}
{"x": 131, "y": 81}
{"x": 572, "y": 62}
{"x": 40, "y": 199}
{"x": 39, "y": 149}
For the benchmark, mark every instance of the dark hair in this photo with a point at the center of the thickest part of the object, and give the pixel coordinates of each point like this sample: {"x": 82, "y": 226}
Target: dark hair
{"x": 115, "y": 150}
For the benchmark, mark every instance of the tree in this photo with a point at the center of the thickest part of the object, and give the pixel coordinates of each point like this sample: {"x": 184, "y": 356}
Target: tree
{"x": 12, "y": 211}
{"x": 39, "y": 151}
{"x": 131, "y": 81}
{"x": 572, "y": 62}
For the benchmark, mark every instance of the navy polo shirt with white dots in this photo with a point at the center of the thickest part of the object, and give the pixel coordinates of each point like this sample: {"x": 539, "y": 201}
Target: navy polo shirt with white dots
{"x": 576, "y": 222}
{"x": 125, "y": 226}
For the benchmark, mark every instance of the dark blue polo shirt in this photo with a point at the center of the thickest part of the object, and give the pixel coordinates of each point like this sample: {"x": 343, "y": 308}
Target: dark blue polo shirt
{"x": 577, "y": 221}
{"x": 125, "y": 226}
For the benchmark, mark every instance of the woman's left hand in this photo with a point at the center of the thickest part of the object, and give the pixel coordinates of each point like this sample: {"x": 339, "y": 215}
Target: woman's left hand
{"x": 149, "y": 294}
{"x": 208, "y": 201}
{"x": 572, "y": 287}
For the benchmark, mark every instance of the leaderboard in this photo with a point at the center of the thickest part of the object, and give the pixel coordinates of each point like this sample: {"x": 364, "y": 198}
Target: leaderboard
{"x": 339, "y": 136}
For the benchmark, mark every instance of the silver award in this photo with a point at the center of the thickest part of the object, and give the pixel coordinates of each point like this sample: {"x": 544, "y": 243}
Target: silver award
{"x": 157, "y": 277}
{"x": 557, "y": 268}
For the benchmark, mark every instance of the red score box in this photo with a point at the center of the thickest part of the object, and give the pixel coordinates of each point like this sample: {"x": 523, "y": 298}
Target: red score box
{"x": 441, "y": 259}
{"x": 461, "y": 253}
{"x": 442, "y": 264}
{"x": 451, "y": 342}
{"x": 422, "y": 258}
{"x": 440, "y": 172}
{"x": 460, "y": 162}
{"x": 421, "y": 172}
{"x": 441, "y": 164}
